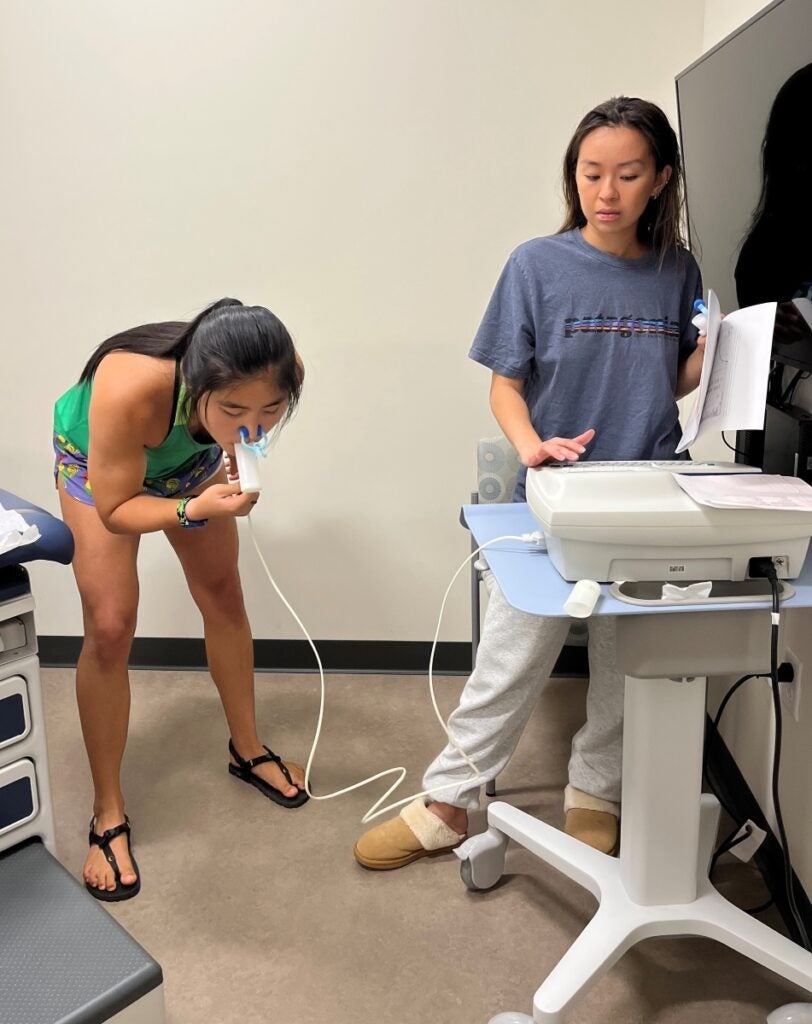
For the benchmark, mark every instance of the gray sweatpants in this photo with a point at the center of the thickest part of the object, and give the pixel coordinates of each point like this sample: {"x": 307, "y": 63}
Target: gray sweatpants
{"x": 516, "y": 654}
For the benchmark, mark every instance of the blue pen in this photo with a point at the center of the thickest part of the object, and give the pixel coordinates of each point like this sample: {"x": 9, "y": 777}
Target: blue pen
{"x": 700, "y": 307}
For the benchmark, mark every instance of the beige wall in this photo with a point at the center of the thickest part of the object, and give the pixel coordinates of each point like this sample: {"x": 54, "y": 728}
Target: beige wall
{"x": 724, "y": 16}
{"x": 362, "y": 167}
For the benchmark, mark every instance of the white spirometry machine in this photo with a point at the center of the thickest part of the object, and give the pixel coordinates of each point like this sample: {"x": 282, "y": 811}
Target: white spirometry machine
{"x": 631, "y": 524}
{"x": 608, "y": 521}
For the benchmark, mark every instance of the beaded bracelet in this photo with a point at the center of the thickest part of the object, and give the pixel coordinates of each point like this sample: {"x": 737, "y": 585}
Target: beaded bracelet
{"x": 180, "y": 511}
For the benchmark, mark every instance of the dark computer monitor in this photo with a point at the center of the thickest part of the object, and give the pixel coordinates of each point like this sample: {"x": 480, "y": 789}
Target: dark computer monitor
{"x": 744, "y": 111}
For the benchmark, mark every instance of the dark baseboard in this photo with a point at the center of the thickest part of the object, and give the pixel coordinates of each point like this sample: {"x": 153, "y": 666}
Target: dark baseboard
{"x": 736, "y": 797}
{"x": 399, "y": 657}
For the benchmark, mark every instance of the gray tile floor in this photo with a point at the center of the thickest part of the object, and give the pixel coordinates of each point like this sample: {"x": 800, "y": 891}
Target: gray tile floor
{"x": 259, "y": 914}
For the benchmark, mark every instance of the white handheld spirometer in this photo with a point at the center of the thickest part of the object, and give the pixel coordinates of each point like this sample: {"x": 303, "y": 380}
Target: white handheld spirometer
{"x": 247, "y": 454}
{"x": 247, "y": 469}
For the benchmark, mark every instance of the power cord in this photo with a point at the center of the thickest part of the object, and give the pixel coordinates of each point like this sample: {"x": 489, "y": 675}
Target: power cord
{"x": 714, "y": 731}
{"x": 739, "y": 833}
{"x": 376, "y": 810}
{"x": 730, "y": 843}
{"x": 732, "y": 447}
{"x": 765, "y": 567}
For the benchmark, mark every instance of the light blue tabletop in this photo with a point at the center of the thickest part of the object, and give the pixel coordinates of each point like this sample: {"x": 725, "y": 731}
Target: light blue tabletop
{"x": 531, "y": 583}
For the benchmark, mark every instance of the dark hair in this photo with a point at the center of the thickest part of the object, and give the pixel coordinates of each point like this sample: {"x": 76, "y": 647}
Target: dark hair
{"x": 786, "y": 155}
{"x": 661, "y": 223}
{"x": 227, "y": 342}
{"x": 775, "y": 260}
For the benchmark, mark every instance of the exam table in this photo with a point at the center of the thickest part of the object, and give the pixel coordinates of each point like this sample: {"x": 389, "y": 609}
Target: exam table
{"x": 63, "y": 958}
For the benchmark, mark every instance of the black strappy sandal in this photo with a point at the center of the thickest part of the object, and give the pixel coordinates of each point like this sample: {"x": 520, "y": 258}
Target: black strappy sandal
{"x": 242, "y": 770}
{"x": 121, "y": 892}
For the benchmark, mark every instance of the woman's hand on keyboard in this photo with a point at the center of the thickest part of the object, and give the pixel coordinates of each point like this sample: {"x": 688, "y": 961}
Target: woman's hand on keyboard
{"x": 558, "y": 449}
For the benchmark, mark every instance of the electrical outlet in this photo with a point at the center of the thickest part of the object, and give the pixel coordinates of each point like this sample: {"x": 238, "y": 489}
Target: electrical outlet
{"x": 791, "y": 691}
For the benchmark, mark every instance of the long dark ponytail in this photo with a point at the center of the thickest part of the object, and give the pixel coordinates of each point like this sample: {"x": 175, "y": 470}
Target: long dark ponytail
{"x": 227, "y": 342}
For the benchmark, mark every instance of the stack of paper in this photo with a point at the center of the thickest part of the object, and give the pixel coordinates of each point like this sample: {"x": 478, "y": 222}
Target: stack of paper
{"x": 732, "y": 390}
{"x": 748, "y": 490}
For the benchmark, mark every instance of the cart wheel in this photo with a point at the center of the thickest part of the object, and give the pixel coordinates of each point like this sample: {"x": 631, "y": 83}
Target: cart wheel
{"x": 467, "y": 876}
{"x": 794, "y": 1013}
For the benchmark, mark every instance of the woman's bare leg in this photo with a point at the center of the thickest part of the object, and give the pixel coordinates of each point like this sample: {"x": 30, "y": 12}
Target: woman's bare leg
{"x": 208, "y": 556}
{"x": 104, "y": 565}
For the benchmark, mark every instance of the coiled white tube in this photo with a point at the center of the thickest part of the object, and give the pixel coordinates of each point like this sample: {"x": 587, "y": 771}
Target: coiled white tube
{"x": 376, "y": 810}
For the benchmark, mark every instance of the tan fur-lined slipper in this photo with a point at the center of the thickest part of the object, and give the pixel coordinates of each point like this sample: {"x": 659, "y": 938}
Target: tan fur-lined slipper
{"x": 592, "y": 820}
{"x": 415, "y": 833}
{"x": 595, "y": 828}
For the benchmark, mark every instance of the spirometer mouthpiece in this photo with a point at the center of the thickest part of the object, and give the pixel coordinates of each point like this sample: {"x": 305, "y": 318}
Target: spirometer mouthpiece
{"x": 247, "y": 455}
{"x": 583, "y": 598}
{"x": 260, "y": 446}
{"x": 792, "y": 1013}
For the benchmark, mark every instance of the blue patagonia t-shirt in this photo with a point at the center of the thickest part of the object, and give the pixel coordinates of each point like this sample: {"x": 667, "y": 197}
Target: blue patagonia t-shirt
{"x": 597, "y": 339}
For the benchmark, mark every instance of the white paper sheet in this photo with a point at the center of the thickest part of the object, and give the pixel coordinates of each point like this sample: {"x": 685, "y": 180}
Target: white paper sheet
{"x": 732, "y": 392}
{"x": 748, "y": 490}
{"x": 15, "y": 531}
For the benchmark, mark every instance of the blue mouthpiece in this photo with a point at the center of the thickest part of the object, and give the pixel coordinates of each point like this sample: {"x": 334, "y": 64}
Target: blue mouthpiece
{"x": 262, "y": 443}
{"x": 700, "y": 307}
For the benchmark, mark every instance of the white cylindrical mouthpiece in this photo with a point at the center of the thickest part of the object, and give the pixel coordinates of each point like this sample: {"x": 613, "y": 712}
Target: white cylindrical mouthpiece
{"x": 583, "y": 598}
{"x": 248, "y": 469}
